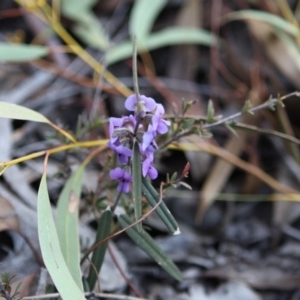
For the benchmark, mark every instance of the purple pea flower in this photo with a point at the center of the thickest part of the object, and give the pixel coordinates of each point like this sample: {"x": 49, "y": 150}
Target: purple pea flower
{"x": 148, "y": 169}
{"x": 159, "y": 124}
{"x": 124, "y": 179}
{"x": 123, "y": 152}
{"x": 148, "y": 137}
{"x": 146, "y": 104}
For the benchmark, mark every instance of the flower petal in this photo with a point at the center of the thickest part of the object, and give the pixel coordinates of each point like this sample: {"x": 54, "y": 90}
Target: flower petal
{"x": 116, "y": 173}
{"x": 152, "y": 173}
{"x": 159, "y": 110}
{"x": 130, "y": 103}
{"x": 146, "y": 166}
{"x": 149, "y": 103}
{"x": 162, "y": 128}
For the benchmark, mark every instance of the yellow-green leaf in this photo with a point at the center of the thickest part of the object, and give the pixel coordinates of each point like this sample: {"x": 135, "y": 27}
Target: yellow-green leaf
{"x": 51, "y": 252}
{"x": 21, "y": 52}
{"x": 18, "y": 112}
{"x": 67, "y": 224}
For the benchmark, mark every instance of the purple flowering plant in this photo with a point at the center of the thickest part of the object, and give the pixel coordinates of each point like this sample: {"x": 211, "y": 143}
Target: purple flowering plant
{"x": 141, "y": 127}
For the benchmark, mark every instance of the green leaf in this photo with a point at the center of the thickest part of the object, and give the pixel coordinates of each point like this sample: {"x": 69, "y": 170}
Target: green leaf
{"x": 87, "y": 27}
{"x": 143, "y": 15}
{"x": 166, "y": 37}
{"x": 162, "y": 210}
{"x": 75, "y": 9}
{"x": 103, "y": 232}
{"x": 51, "y": 252}
{"x": 137, "y": 183}
{"x": 188, "y": 123}
{"x": 146, "y": 243}
{"x": 21, "y": 52}
{"x": 67, "y": 224}
{"x": 91, "y": 32}
{"x": 265, "y": 17}
{"x": 210, "y": 112}
{"x": 14, "y": 111}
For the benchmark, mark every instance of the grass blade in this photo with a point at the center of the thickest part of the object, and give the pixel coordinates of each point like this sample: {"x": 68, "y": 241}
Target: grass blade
{"x": 137, "y": 183}
{"x": 103, "y": 231}
{"x": 51, "y": 252}
{"x": 67, "y": 224}
{"x": 146, "y": 243}
{"x": 162, "y": 210}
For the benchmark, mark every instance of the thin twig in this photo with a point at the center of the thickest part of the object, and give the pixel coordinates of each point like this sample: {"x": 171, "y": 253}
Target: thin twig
{"x": 113, "y": 257}
{"x": 279, "y": 134}
{"x": 122, "y": 230}
{"x": 268, "y": 103}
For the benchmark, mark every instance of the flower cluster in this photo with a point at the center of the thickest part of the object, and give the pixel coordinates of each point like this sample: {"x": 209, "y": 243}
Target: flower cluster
{"x": 143, "y": 127}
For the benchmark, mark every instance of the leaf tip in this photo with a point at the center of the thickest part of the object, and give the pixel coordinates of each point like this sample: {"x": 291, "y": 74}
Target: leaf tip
{"x": 177, "y": 231}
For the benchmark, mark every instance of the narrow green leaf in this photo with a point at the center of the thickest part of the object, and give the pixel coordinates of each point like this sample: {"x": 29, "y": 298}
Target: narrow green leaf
{"x": 166, "y": 37}
{"x": 179, "y": 35}
{"x": 146, "y": 243}
{"x": 103, "y": 232}
{"x": 14, "y": 111}
{"x": 21, "y": 52}
{"x": 162, "y": 210}
{"x": 51, "y": 252}
{"x": 265, "y": 17}
{"x": 137, "y": 183}
{"x": 143, "y": 15}
{"x": 67, "y": 224}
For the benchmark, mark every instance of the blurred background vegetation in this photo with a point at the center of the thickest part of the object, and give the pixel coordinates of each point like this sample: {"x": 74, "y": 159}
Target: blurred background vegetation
{"x": 71, "y": 61}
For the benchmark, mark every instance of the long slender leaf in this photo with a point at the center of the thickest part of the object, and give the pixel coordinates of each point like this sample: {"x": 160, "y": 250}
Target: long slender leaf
{"x": 146, "y": 243}
{"x": 67, "y": 224}
{"x": 263, "y": 16}
{"x": 137, "y": 183}
{"x": 51, "y": 252}
{"x": 143, "y": 15}
{"x": 162, "y": 210}
{"x": 98, "y": 255}
{"x": 21, "y": 52}
{"x": 14, "y": 111}
{"x": 170, "y": 36}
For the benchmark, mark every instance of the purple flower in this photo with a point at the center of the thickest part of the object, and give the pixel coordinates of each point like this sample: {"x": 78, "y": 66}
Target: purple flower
{"x": 124, "y": 179}
{"x": 148, "y": 169}
{"x": 146, "y": 104}
{"x": 114, "y": 123}
{"x": 148, "y": 137}
{"x": 123, "y": 152}
{"x": 159, "y": 124}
